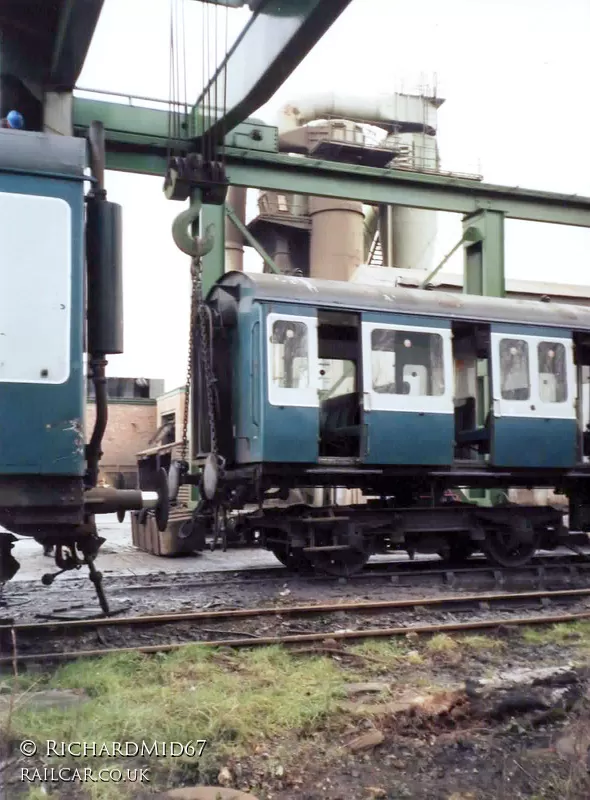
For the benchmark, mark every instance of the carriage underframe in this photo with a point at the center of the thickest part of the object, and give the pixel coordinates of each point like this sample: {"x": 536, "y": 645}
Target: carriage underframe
{"x": 403, "y": 511}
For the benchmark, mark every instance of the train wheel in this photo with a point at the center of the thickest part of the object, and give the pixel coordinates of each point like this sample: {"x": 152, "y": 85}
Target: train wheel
{"x": 508, "y": 547}
{"x": 291, "y": 560}
{"x": 341, "y": 563}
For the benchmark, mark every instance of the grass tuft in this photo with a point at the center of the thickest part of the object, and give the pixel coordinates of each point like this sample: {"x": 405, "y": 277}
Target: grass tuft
{"x": 481, "y": 644}
{"x": 234, "y": 701}
{"x": 441, "y": 643}
{"x": 571, "y": 632}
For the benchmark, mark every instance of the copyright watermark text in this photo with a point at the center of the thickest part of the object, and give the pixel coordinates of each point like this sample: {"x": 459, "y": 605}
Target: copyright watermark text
{"x": 190, "y": 749}
{"x": 86, "y": 775}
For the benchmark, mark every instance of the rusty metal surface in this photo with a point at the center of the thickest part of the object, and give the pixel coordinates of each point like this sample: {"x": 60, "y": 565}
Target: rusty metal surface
{"x": 342, "y": 294}
{"x": 460, "y": 601}
{"x": 147, "y": 538}
{"x": 338, "y": 635}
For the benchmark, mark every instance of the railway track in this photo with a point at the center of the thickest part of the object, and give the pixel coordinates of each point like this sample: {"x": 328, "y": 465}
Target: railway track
{"x": 395, "y": 571}
{"x": 75, "y": 635}
{"x": 547, "y": 569}
{"x": 414, "y": 573}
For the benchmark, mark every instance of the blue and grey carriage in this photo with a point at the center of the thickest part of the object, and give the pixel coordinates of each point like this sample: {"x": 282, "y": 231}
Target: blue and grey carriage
{"x": 388, "y": 409}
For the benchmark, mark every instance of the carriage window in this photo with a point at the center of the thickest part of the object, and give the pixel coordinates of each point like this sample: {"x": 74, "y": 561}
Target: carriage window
{"x": 290, "y": 355}
{"x": 514, "y": 369}
{"x": 407, "y": 362}
{"x": 552, "y": 372}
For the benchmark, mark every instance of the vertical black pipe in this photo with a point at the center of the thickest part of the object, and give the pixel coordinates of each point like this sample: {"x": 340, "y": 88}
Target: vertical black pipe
{"x": 94, "y": 448}
{"x": 104, "y": 292}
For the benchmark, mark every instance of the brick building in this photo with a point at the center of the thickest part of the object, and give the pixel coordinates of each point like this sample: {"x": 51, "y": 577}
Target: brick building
{"x": 170, "y": 415}
{"x": 132, "y": 423}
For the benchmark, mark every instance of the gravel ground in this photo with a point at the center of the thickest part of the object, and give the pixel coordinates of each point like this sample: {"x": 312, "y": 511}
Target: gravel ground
{"x": 169, "y": 592}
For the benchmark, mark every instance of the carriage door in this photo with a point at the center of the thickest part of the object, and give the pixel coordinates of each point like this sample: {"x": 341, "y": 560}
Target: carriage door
{"x": 291, "y": 414}
{"x": 534, "y": 398}
{"x": 408, "y": 390}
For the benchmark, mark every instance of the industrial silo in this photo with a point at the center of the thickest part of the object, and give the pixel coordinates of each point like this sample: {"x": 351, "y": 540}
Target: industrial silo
{"x": 407, "y": 126}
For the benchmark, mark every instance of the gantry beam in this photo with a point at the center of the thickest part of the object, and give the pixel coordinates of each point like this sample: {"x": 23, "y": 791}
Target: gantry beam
{"x": 398, "y": 187}
{"x": 137, "y": 137}
{"x": 297, "y": 175}
{"x": 276, "y": 39}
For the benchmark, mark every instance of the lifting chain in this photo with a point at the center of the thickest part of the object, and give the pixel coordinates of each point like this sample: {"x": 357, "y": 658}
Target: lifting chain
{"x": 197, "y": 247}
{"x": 199, "y": 315}
{"x": 195, "y": 279}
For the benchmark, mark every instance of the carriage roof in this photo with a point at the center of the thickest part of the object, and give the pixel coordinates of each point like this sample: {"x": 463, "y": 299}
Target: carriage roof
{"x": 359, "y": 297}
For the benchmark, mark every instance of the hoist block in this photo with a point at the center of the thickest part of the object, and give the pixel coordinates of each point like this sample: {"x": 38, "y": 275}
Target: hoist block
{"x": 185, "y": 174}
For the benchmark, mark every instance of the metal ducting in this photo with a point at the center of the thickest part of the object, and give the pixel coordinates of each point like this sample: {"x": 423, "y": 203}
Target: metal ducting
{"x": 412, "y": 112}
{"x": 339, "y": 235}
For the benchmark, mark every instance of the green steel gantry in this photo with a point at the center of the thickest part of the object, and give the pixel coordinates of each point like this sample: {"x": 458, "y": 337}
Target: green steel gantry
{"x": 137, "y": 142}
{"x": 278, "y": 35}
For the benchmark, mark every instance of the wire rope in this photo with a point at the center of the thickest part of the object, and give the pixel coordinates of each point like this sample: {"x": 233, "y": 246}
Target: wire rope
{"x": 201, "y": 110}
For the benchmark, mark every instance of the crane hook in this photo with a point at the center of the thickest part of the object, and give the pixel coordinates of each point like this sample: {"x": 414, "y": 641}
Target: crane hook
{"x": 194, "y": 246}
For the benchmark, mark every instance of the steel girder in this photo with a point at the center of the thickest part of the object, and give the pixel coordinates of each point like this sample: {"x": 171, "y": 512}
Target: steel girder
{"x": 133, "y": 129}
{"x": 401, "y": 188}
{"x": 279, "y": 172}
{"x": 276, "y": 39}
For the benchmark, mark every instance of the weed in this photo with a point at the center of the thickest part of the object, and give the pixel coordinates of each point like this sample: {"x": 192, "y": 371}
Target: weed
{"x": 441, "y": 643}
{"x": 559, "y": 634}
{"x": 482, "y": 644}
{"x": 386, "y": 650}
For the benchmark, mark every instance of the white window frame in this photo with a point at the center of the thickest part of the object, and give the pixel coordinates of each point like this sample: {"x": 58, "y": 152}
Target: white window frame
{"x": 279, "y": 395}
{"x": 534, "y": 407}
{"x": 36, "y": 289}
{"x": 377, "y": 401}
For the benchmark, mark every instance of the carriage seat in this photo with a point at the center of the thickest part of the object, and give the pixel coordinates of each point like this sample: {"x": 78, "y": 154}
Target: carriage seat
{"x": 474, "y": 436}
{"x": 340, "y": 419}
{"x": 467, "y": 433}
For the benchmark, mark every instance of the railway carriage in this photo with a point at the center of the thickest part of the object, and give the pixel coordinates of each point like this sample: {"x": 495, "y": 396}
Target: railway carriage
{"x": 408, "y": 395}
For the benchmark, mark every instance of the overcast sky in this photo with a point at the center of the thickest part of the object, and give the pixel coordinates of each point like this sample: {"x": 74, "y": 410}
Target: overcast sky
{"x": 513, "y": 73}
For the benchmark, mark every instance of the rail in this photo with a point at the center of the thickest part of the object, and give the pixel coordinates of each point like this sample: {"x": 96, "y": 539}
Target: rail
{"x": 301, "y": 638}
{"x": 319, "y": 608}
{"x": 16, "y": 634}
